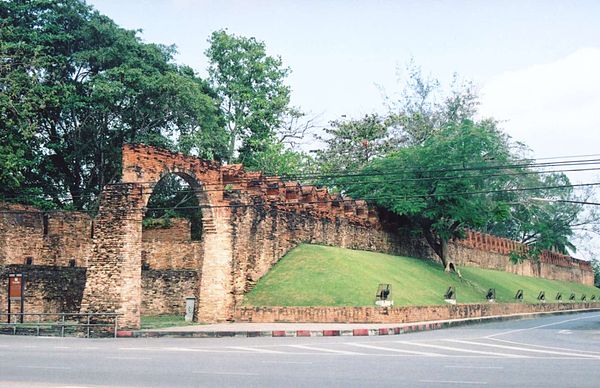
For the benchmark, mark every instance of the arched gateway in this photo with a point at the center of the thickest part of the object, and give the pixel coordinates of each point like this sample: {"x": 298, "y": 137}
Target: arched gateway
{"x": 249, "y": 222}
{"x": 114, "y": 272}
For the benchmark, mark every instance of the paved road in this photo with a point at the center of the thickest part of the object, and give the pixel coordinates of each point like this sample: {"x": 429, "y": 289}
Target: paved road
{"x": 558, "y": 351}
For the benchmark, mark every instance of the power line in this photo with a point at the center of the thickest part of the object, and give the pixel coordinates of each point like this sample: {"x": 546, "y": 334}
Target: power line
{"x": 348, "y": 182}
{"x": 279, "y": 202}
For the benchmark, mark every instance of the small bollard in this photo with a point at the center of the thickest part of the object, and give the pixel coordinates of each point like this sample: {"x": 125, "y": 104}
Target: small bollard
{"x": 190, "y": 305}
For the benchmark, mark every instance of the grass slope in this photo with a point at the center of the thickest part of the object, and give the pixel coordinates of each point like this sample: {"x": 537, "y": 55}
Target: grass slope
{"x": 314, "y": 275}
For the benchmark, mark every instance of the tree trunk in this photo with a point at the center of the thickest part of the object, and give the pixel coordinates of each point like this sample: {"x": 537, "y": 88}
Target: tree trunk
{"x": 440, "y": 247}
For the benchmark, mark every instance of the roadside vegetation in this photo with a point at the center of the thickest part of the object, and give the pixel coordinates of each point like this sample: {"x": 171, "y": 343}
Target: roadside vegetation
{"x": 314, "y": 275}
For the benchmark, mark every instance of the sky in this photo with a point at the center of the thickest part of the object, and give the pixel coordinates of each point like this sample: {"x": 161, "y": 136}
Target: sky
{"x": 536, "y": 63}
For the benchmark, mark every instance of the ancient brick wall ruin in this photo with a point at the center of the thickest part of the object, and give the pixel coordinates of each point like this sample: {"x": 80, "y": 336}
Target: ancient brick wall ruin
{"x": 249, "y": 221}
{"x": 487, "y": 251}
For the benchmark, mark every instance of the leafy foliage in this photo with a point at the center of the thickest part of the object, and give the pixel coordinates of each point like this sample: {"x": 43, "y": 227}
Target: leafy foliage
{"x": 250, "y": 84}
{"x": 75, "y": 87}
{"x": 352, "y": 144}
{"x": 172, "y": 197}
{"x": 427, "y": 190}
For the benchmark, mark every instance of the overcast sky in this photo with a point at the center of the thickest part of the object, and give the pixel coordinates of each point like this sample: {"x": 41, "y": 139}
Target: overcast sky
{"x": 537, "y": 63}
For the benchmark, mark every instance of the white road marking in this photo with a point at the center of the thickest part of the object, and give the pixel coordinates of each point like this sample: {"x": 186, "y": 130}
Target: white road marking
{"x": 286, "y": 362}
{"x": 41, "y": 367}
{"x": 454, "y": 382}
{"x": 325, "y": 350}
{"x": 545, "y": 347}
{"x": 472, "y": 367}
{"x": 395, "y": 350}
{"x": 128, "y": 358}
{"x": 541, "y": 326}
{"x": 524, "y": 349}
{"x": 462, "y": 350}
{"x": 225, "y": 373}
{"x": 565, "y": 332}
{"x": 62, "y": 347}
{"x": 256, "y": 350}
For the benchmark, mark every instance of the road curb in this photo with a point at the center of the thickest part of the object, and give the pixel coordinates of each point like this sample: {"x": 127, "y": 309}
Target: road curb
{"x": 384, "y": 329}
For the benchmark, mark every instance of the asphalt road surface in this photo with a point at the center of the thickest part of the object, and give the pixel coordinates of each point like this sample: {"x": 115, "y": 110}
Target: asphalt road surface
{"x": 557, "y": 351}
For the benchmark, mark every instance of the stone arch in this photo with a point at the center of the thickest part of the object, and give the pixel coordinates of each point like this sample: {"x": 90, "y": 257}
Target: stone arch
{"x": 118, "y": 236}
{"x": 200, "y": 194}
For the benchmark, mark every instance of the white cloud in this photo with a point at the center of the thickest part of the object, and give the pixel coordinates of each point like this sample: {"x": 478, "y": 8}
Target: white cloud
{"x": 554, "y": 107}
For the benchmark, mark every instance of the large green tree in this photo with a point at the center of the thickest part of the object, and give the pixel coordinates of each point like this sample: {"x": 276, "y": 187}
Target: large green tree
{"x": 254, "y": 98}
{"x": 426, "y": 183}
{"x": 75, "y": 87}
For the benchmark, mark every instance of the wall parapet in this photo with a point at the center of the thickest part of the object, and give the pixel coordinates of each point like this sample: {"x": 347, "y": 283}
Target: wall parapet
{"x": 489, "y": 243}
{"x": 408, "y": 314}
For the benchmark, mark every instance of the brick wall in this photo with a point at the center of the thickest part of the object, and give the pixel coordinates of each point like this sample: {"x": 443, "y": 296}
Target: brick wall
{"x": 178, "y": 230}
{"x": 487, "y": 251}
{"x": 53, "y": 238}
{"x": 262, "y": 235}
{"x": 48, "y": 289}
{"x": 395, "y": 314}
{"x": 164, "y": 292}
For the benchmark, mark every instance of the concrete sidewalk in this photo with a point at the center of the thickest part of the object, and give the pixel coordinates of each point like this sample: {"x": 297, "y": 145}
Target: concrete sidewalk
{"x": 243, "y": 329}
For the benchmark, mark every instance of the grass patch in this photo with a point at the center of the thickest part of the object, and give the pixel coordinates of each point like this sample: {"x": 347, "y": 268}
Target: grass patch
{"x": 314, "y": 275}
{"x": 162, "y": 321}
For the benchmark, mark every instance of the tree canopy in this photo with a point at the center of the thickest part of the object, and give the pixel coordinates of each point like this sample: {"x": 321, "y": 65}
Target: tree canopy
{"x": 254, "y": 97}
{"x": 429, "y": 184}
{"x": 75, "y": 87}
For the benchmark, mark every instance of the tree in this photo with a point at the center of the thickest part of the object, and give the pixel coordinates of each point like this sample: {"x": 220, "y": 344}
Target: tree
{"x": 351, "y": 144}
{"x": 422, "y": 108}
{"x": 75, "y": 87}
{"x": 596, "y": 269}
{"x": 426, "y": 183}
{"x": 544, "y": 218}
{"x": 250, "y": 84}
{"x": 275, "y": 159}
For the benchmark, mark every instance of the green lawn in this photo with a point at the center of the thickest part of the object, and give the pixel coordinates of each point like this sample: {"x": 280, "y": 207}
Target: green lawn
{"x": 314, "y": 275}
{"x": 160, "y": 321}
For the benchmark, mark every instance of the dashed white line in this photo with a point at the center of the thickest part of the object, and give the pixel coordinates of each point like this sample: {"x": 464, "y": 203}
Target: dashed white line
{"x": 520, "y": 348}
{"x": 256, "y": 350}
{"x": 462, "y": 382}
{"x": 413, "y": 352}
{"x": 41, "y": 367}
{"x": 462, "y": 350}
{"x": 541, "y": 326}
{"x": 326, "y": 350}
{"x": 472, "y": 367}
{"x": 286, "y": 362}
{"x": 545, "y": 347}
{"x": 128, "y": 358}
{"x": 226, "y": 373}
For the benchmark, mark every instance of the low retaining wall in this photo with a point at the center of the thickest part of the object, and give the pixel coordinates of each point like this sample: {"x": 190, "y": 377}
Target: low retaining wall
{"x": 395, "y": 314}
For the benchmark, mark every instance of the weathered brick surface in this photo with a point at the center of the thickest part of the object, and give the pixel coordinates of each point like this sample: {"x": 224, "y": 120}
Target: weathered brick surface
{"x": 48, "y": 289}
{"x": 262, "y": 235}
{"x": 179, "y": 230}
{"x": 164, "y": 291}
{"x": 114, "y": 270}
{"x": 53, "y": 238}
{"x": 395, "y": 314}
